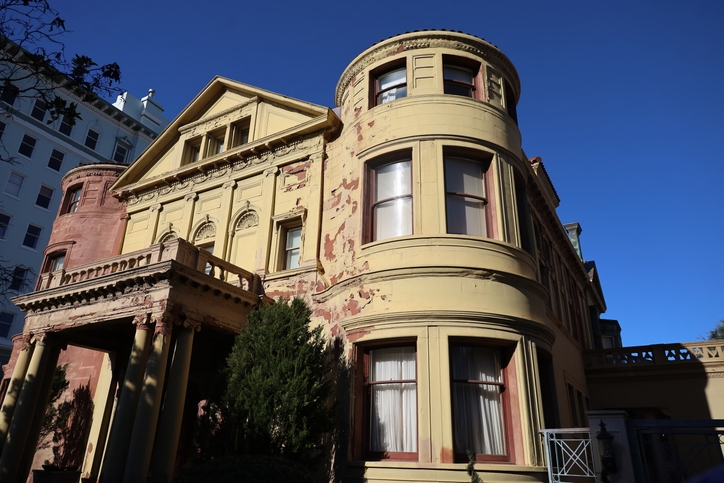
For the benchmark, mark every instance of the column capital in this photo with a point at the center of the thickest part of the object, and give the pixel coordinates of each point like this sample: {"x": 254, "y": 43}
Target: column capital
{"x": 191, "y": 197}
{"x": 270, "y": 171}
{"x": 157, "y": 207}
{"x": 229, "y": 184}
{"x": 192, "y": 325}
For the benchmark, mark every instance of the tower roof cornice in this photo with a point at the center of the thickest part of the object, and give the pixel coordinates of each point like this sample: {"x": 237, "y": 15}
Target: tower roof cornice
{"x": 426, "y": 39}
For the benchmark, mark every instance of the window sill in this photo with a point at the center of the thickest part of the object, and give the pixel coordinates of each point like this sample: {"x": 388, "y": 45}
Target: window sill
{"x": 308, "y": 267}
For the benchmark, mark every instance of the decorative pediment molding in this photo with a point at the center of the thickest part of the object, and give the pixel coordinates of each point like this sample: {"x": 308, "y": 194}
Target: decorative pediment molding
{"x": 221, "y": 118}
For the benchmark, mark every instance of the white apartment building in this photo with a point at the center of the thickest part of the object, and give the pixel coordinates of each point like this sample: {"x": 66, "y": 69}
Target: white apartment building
{"x": 39, "y": 154}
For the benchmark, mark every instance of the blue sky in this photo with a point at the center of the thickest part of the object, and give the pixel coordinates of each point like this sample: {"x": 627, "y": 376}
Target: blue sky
{"x": 624, "y": 101}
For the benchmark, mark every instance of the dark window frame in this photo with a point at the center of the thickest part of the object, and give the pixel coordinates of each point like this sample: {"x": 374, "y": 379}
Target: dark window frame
{"x": 468, "y": 65}
{"x": 485, "y": 160}
{"x": 363, "y": 402}
{"x": 56, "y": 157}
{"x": 10, "y": 93}
{"x": 375, "y": 75}
{"x": 91, "y": 140}
{"x": 4, "y": 224}
{"x": 72, "y": 199}
{"x": 65, "y": 126}
{"x": 19, "y": 278}
{"x": 405, "y": 155}
{"x": 124, "y": 157}
{"x": 40, "y": 108}
{"x": 44, "y": 197}
{"x": 33, "y": 238}
{"x": 27, "y": 146}
{"x": 505, "y": 355}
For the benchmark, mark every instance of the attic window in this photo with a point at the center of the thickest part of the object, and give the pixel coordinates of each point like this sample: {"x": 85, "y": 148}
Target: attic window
{"x": 239, "y": 133}
{"x": 192, "y": 149}
{"x": 215, "y": 143}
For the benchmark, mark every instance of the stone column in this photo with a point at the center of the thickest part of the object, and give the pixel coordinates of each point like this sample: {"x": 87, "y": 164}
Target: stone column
{"x": 114, "y": 459}
{"x": 46, "y": 387}
{"x": 263, "y": 234}
{"x": 18, "y": 433}
{"x": 144, "y": 426}
{"x": 169, "y": 426}
{"x": 14, "y": 386}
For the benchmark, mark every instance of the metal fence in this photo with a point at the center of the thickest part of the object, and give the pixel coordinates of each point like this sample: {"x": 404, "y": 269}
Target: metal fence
{"x": 569, "y": 455}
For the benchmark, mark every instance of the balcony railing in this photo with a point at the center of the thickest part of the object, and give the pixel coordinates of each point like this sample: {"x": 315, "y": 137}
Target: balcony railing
{"x": 657, "y": 354}
{"x": 176, "y": 249}
{"x": 569, "y": 455}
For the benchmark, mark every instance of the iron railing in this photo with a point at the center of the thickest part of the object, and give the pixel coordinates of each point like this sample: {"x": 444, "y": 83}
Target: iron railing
{"x": 569, "y": 455}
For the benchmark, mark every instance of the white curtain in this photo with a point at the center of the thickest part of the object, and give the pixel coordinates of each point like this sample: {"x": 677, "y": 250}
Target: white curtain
{"x": 477, "y": 411}
{"x": 394, "y": 217}
{"x": 393, "y": 412}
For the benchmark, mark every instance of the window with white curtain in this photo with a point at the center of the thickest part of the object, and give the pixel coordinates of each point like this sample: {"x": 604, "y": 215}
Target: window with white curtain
{"x": 477, "y": 402}
{"x": 465, "y": 196}
{"x": 390, "y": 85}
{"x": 393, "y": 401}
{"x": 391, "y": 200}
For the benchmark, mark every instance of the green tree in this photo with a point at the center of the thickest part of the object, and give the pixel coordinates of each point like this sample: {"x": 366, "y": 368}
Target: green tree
{"x": 279, "y": 384}
{"x": 717, "y": 332}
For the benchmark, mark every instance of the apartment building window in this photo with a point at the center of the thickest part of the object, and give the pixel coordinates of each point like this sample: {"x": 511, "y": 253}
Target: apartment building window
{"x": 73, "y": 198}
{"x": 477, "y": 402}
{"x": 2, "y": 128}
{"x": 27, "y": 145}
{"x": 39, "y": 110}
{"x": 390, "y": 84}
{"x": 465, "y": 195}
{"x": 56, "y": 160}
{"x": 392, "y": 402}
{"x": 44, "y": 197}
{"x": 14, "y": 184}
{"x": 578, "y": 405}
{"x": 32, "y": 236}
{"x": 4, "y": 223}
{"x": 66, "y": 126}
{"x": 120, "y": 153}
{"x": 17, "y": 282}
{"x": 10, "y": 93}
{"x": 391, "y": 199}
{"x": 6, "y": 322}
{"x": 91, "y": 139}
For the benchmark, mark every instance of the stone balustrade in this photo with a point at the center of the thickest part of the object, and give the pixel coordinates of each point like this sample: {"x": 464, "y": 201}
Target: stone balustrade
{"x": 657, "y": 354}
{"x": 176, "y": 249}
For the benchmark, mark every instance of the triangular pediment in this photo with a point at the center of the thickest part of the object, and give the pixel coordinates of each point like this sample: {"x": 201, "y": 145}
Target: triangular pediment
{"x": 225, "y": 120}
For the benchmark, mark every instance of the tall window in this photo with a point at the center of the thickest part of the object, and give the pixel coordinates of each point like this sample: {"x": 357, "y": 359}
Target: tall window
{"x": 73, "y": 200}
{"x": 6, "y": 322}
{"x": 66, "y": 127}
{"x": 477, "y": 403}
{"x": 10, "y": 93}
{"x": 391, "y": 188}
{"x": 44, "y": 197}
{"x": 14, "y": 184}
{"x": 215, "y": 143}
{"x": 56, "y": 160}
{"x": 56, "y": 262}
{"x": 17, "y": 282}
{"x": 465, "y": 196}
{"x": 120, "y": 153}
{"x": 32, "y": 235}
{"x": 4, "y": 223}
{"x": 459, "y": 76}
{"x": 392, "y": 401}
{"x": 390, "y": 85}
{"x": 27, "y": 145}
{"x": 91, "y": 139}
{"x": 292, "y": 247}
{"x": 39, "y": 109}
{"x": 510, "y": 101}
{"x": 192, "y": 149}
{"x": 239, "y": 133}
